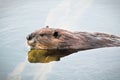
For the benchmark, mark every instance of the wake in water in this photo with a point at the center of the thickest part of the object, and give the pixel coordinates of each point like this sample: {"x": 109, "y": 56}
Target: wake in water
{"x": 41, "y": 73}
{"x": 67, "y": 14}
{"x": 16, "y": 74}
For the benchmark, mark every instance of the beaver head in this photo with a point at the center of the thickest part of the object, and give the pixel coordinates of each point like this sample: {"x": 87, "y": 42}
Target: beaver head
{"x": 50, "y": 38}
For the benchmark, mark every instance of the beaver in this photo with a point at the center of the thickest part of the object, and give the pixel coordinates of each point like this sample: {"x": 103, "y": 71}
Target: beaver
{"x": 54, "y": 38}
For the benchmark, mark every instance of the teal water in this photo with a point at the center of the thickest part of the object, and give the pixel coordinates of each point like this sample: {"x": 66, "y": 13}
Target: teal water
{"x": 18, "y": 18}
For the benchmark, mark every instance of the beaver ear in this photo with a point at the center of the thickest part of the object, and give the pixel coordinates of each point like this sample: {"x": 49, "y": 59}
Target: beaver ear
{"x": 56, "y": 34}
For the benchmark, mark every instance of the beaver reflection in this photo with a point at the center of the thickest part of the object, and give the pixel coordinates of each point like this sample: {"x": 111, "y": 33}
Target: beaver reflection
{"x": 45, "y": 56}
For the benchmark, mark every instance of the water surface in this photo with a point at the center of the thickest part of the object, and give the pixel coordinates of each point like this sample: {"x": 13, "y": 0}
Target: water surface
{"x": 18, "y": 18}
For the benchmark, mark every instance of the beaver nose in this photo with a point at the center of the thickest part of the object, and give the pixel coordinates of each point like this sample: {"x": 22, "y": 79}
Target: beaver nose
{"x": 29, "y": 37}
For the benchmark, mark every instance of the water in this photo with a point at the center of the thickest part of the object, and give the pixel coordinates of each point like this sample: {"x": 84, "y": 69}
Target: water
{"x": 21, "y": 17}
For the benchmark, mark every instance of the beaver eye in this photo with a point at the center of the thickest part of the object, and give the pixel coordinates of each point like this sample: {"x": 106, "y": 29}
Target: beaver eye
{"x": 55, "y": 34}
{"x": 42, "y": 35}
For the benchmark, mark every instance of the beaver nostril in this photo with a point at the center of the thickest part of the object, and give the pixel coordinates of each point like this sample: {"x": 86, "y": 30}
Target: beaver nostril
{"x": 29, "y": 37}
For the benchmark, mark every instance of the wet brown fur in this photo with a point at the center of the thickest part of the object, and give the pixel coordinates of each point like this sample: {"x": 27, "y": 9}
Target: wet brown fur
{"x": 51, "y": 38}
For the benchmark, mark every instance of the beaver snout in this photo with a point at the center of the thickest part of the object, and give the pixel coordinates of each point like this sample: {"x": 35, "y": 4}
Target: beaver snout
{"x": 30, "y": 37}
